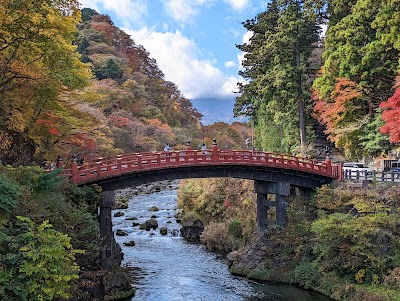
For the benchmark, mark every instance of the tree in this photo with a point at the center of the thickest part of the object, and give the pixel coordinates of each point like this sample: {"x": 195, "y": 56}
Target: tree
{"x": 278, "y": 69}
{"x": 362, "y": 46}
{"x": 391, "y": 115}
{"x": 37, "y": 63}
{"x": 109, "y": 70}
{"x": 37, "y": 263}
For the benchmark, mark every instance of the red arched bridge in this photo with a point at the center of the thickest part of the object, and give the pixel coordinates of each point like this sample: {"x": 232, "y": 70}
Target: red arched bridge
{"x": 127, "y": 170}
{"x": 272, "y": 174}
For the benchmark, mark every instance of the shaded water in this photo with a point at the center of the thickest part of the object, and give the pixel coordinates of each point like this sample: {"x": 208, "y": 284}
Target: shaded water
{"x": 167, "y": 268}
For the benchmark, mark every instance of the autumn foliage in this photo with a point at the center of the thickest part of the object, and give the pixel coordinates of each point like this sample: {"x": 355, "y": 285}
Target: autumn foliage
{"x": 342, "y": 108}
{"x": 391, "y": 114}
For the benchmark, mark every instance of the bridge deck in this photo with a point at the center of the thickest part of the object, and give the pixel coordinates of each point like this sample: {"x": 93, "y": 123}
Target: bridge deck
{"x": 108, "y": 167}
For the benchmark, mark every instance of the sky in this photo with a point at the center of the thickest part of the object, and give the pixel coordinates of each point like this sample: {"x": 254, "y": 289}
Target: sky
{"x": 193, "y": 42}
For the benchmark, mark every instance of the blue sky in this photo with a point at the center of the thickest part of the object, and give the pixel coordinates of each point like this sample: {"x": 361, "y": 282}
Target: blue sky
{"x": 193, "y": 42}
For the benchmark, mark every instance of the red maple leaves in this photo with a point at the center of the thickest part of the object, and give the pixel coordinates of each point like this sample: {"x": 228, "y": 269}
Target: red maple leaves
{"x": 391, "y": 115}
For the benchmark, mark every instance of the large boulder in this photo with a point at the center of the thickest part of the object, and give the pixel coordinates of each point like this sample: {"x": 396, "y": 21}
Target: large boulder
{"x": 149, "y": 224}
{"x": 121, "y": 232}
{"x": 192, "y": 229}
{"x": 130, "y": 243}
{"x": 153, "y": 208}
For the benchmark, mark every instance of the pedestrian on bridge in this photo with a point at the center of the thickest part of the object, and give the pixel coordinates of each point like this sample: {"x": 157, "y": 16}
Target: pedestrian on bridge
{"x": 167, "y": 148}
{"x": 204, "y": 149}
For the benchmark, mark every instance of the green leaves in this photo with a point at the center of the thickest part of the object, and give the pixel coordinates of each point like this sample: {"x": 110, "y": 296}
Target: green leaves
{"x": 278, "y": 69}
{"x": 9, "y": 193}
{"x": 38, "y": 262}
{"x": 367, "y": 239}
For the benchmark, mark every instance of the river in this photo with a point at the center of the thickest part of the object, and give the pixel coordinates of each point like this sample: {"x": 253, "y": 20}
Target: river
{"x": 167, "y": 268}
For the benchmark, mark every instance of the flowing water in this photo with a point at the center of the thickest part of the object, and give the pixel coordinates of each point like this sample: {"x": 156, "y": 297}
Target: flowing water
{"x": 167, "y": 268}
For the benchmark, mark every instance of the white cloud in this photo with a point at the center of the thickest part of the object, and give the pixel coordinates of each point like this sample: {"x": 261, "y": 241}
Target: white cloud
{"x": 183, "y": 11}
{"x": 130, "y": 9}
{"x": 238, "y": 4}
{"x": 180, "y": 10}
{"x": 230, "y": 64}
{"x": 177, "y": 57}
{"x": 240, "y": 58}
{"x": 246, "y": 37}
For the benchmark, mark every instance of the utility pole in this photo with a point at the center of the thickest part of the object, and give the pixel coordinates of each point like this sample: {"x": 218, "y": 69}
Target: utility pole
{"x": 252, "y": 134}
{"x": 300, "y": 103}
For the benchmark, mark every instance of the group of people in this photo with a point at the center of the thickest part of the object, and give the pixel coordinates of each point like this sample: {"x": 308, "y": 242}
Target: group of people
{"x": 168, "y": 148}
{"x": 48, "y": 165}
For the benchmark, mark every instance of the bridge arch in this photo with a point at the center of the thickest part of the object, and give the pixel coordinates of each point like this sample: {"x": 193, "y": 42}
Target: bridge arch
{"x": 273, "y": 174}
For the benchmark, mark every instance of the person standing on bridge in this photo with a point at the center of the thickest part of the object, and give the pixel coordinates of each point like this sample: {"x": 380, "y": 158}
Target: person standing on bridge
{"x": 167, "y": 148}
{"x": 204, "y": 148}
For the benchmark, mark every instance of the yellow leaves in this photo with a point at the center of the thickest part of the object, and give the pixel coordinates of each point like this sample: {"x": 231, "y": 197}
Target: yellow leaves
{"x": 5, "y": 141}
{"x": 17, "y": 121}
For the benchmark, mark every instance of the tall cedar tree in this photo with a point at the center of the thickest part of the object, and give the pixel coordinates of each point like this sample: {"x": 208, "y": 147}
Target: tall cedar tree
{"x": 278, "y": 72}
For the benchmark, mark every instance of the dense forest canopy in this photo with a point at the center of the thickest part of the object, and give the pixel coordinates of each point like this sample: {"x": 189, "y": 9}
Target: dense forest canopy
{"x": 296, "y": 77}
{"x": 73, "y": 83}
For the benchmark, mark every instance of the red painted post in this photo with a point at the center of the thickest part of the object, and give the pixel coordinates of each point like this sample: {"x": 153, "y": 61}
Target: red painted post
{"x": 188, "y": 151}
{"x": 74, "y": 168}
{"x": 340, "y": 171}
{"x": 214, "y": 151}
{"x": 59, "y": 162}
{"x": 328, "y": 163}
{"x": 119, "y": 164}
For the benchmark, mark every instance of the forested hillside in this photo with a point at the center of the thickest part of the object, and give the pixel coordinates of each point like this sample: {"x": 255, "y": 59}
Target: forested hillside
{"x": 73, "y": 83}
{"x": 108, "y": 97}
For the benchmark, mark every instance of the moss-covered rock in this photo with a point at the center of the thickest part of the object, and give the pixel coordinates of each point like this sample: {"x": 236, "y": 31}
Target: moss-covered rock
{"x": 149, "y": 224}
{"x": 121, "y": 232}
{"x": 130, "y": 243}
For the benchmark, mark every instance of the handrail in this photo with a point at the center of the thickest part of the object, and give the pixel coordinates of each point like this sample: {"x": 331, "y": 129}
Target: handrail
{"x": 106, "y": 167}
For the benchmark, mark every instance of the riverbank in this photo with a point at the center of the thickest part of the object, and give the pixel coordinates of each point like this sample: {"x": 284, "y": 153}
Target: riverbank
{"x": 344, "y": 242}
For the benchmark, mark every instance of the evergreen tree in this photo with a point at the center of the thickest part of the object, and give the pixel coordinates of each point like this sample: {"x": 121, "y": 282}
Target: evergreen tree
{"x": 109, "y": 70}
{"x": 277, "y": 67}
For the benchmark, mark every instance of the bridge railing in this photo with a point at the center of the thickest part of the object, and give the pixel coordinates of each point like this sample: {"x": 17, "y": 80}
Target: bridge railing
{"x": 383, "y": 176}
{"x": 121, "y": 164}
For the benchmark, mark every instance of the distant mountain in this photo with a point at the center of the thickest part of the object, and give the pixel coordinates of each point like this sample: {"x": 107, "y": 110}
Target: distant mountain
{"x": 216, "y": 110}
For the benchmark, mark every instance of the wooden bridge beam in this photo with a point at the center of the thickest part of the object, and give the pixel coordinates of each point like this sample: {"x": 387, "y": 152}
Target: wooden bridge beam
{"x": 107, "y": 202}
{"x": 281, "y": 190}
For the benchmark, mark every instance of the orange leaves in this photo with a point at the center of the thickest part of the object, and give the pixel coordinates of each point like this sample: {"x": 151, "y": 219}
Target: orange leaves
{"x": 54, "y": 131}
{"x": 154, "y": 122}
{"x": 51, "y": 122}
{"x": 392, "y": 115}
{"x": 83, "y": 142}
{"x": 345, "y": 106}
{"x": 120, "y": 121}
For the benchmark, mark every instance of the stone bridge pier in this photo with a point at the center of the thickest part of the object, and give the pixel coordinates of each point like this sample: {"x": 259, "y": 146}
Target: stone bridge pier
{"x": 281, "y": 190}
{"x": 107, "y": 202}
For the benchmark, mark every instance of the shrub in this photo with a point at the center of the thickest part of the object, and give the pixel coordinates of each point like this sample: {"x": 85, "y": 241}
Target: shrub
{"x": 307, "y": 274}
{"x": 235, "y": 229}
{"x": 37, "y": 263}
{"x": 217, "y": 238}
{"x": 9, "y": 193}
